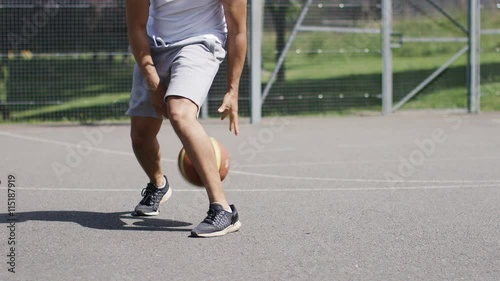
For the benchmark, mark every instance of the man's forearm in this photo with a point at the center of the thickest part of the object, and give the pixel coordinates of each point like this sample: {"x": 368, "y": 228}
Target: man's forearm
{"x": 139, "y": 43}
{"x": 137, "y": 17}
{"x": 236, "y": 13}
{"x": 237, "y": 46}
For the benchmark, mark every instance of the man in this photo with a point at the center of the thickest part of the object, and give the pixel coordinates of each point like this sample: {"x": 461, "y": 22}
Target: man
{"x": 178, "y": 46}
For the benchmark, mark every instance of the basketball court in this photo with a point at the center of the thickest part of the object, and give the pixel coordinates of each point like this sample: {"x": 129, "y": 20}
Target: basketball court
{"x": 412, "y": 196}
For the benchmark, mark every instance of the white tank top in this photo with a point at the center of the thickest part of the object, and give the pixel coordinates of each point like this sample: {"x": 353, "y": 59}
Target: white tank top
{"x": 171, "y": 21}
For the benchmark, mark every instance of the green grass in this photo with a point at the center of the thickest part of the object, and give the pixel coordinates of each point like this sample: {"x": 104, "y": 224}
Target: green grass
{"x": 341, "y": 78}
{"x": 59, "y": 89}
{"x": 490, "y": 97}
{"x": 355, "y": 73}
{"x": 451, "y": 99}
{"x": 456, "y": 98}
{"x": 103, "y": 93}
{"x": 80, "y": 103}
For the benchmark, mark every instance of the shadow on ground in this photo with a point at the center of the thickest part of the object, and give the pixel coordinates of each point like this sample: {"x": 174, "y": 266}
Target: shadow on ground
{"x": 104, "y": 221}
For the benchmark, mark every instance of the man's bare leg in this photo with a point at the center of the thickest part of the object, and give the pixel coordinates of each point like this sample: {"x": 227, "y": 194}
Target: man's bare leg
{"x": 146, "y": 147}
{"x": 182, "y": 114}
{"x": 147, "y": 150}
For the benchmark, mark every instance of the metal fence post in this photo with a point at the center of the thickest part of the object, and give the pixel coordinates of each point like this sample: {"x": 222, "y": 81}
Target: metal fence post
{"x": 473, "y": 62}
{"x": 257, "y": 11}
{"x": 204, "y": 110}
{"x": 387, "y": 75}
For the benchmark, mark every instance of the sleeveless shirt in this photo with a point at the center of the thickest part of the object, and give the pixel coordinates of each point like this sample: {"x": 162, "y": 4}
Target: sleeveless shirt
{"x": 172, "y": 21}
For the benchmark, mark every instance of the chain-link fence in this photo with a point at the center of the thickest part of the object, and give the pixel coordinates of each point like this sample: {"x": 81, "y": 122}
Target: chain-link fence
{"x": 428, "y": 35}
{"x": 425, "y": 39}
{"x": 69, "y": 59}
{"x": 490, "y": 67}
{"x": 334, "y": 62}
{"x": 64, "y": 60}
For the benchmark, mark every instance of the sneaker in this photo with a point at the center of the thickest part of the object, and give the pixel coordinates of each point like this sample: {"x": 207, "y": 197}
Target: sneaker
{"x": 218, "y": 222}
{"x": 152, "y": 198}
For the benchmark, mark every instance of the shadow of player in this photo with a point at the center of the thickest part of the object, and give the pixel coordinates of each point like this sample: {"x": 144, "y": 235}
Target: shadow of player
{"x": 104, "y": 221}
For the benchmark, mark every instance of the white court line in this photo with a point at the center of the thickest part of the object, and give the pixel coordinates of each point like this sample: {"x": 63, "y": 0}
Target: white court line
{"x": 269, "y": 189}
{"x": 248, "y": 173}
{"x": 93, "y": 148}
{"x": 288, "y": 164}
{"x": 390, "y": 145}
{"x": 242, "y": 165}
{"x": 359, "y": 180}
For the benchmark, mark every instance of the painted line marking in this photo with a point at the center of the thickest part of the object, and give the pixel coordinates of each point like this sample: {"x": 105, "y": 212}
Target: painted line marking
{"x": 269, "y": 189}
{"x": 93, "y": 148}
{"x": 325, "y": 163}
{"x": 358, "y": 180}
{"x": 54, "y": 142}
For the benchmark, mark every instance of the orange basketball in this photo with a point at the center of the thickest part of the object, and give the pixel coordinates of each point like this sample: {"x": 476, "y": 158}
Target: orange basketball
{"x": 189, "y": 172}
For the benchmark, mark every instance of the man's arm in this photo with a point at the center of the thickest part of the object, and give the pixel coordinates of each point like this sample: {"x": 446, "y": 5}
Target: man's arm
{"x": 137, "y": 18}
{"x": 236, "y": 18}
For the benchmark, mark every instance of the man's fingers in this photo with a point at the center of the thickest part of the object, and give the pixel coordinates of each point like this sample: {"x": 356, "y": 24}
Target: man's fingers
{"x": 233, "y": 124}
{"x": 234, "y": 128}
{"x": 223, "y": 110}
{"x": 227, "y": 109}
{"x": 224, "y": 115}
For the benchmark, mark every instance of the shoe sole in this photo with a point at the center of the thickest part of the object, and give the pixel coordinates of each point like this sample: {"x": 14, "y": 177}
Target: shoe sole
{"x": 163, "y": 200}
{"x": 229, "y": 229}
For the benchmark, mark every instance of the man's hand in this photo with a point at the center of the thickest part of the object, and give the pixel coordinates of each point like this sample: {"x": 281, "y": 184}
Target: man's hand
{"x": 230, "y": 107}
{"x": 157, "y": 96}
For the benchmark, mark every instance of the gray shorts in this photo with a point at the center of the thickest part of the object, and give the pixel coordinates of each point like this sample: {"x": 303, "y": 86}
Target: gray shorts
{"x": 187, "y": 68}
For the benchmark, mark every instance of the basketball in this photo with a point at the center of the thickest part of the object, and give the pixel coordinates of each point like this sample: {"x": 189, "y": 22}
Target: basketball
{"x": 189, "y": 172}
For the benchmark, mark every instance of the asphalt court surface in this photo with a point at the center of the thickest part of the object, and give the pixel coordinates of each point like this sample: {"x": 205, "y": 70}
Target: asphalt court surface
{"x": 406, "y": 197}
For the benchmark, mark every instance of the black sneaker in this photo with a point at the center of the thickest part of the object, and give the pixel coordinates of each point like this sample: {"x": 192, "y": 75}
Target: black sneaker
{"x": 218, "y": 222}
{"x": 152, "y": 198}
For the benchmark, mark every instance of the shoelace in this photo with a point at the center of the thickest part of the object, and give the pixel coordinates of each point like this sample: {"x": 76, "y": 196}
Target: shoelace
{"x": 148, "y": 194}
{"x": 211, "y": 214}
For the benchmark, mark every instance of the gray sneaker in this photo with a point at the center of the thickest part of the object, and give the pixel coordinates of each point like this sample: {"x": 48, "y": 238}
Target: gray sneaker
{"x": 152, "y": 198}
{"x": 218, "y": 222}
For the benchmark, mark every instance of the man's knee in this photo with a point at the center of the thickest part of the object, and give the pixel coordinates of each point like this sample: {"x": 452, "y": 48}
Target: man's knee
{"x": 181, "y": 112}
{"x": 178, "y": 116}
